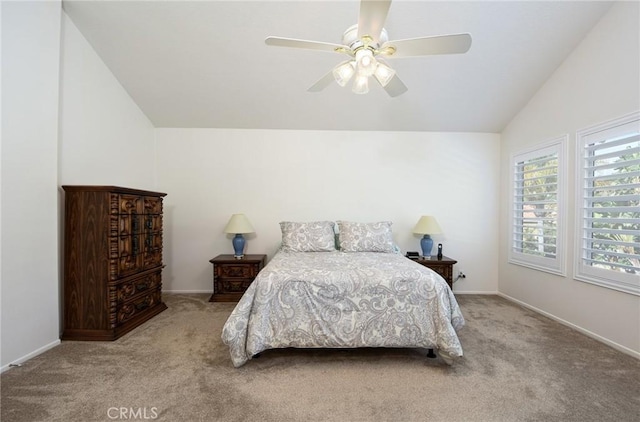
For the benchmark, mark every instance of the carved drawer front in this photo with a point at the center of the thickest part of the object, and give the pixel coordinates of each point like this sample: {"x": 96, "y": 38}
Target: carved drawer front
{"x": 152, "y": 258}
{"x": 128, "y": 224}
{"x": 130, "y": 204}
{"x": 235, "y": 285}
{"x": 152, "y": 241}
{"x": 129, "y": 264}
{"x": 137, "y": 306}
{"x": 152, "y": 205}
{"x": 152, "y": 222}
{"x": 125, "y": 255}
{"x": 129, "y": 246}
{"x": 238, "y": 271}
{"x": 128, "y": 289}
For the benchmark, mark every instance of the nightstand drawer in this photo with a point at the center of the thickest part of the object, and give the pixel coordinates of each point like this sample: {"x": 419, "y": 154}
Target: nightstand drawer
{"x": 236, "y": 285}
{"x": 249, "y": 270}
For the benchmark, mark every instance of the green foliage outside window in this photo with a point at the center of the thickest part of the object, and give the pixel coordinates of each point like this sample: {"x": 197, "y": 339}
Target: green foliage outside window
{"x": 613, "y": 209}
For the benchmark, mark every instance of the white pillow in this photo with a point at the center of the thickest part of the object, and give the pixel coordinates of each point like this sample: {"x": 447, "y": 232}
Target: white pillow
{"x": 314, "y": 236}
{"x": 365, "y": 237}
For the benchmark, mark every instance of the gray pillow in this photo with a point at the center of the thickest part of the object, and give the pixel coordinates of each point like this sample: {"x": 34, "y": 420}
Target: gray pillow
{"x": 365, "y": 237}
{"x": 314, "y": 236}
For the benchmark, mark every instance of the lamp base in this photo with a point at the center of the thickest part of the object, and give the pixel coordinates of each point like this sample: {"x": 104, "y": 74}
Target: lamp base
{"x": 238, "y": 246}
{"x": 426, "y": 243}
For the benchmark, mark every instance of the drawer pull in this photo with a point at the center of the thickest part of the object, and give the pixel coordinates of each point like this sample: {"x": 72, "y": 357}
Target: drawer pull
{"x": 135, "y": 223}
{"x": 142, "y": 286}
{"x": 143, "y": 305}
{"x": 149, "y": 240}
{"x": 135, "y": 245}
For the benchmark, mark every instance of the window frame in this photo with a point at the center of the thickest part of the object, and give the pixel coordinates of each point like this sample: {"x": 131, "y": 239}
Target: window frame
{"x": 628, "y": 283}
{"x": 556, "y": 265}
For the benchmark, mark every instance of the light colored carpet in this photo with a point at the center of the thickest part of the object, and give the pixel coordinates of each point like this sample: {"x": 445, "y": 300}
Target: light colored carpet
{"x": 518, "y": 366}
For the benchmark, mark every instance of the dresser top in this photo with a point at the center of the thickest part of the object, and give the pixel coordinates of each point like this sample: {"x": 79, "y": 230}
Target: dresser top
{"x": 115, "y": 189}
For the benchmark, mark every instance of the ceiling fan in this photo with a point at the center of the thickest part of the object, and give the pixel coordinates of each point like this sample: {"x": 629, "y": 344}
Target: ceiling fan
{"x": 367, "y": 45}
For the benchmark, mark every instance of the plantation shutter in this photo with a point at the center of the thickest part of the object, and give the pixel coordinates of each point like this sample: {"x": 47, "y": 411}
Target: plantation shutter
{"x": 609, "y": 229}
{"x": 535, "y": 219}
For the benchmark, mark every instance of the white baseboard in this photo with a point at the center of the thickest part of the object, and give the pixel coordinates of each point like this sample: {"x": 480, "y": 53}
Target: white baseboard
{"x": 33, "y": 354}
{"x": 186, "y": 292}
{"x": 471, "y": 292}
{"x": 584, "y": 331}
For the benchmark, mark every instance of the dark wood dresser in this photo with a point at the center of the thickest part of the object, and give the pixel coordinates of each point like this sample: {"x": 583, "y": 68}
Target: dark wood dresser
{"x": 112, "y": 261}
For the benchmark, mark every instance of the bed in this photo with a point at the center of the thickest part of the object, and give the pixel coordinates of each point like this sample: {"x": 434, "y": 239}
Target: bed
{"x": 323, "y": 296}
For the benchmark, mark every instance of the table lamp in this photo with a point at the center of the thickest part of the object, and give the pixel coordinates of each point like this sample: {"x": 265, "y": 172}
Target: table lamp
{"x": 427, "y": 225}
{"x": 238, "y": 224}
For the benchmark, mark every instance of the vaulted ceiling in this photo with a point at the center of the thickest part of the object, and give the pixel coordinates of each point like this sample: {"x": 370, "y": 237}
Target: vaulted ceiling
{"x": 204, "y": 64}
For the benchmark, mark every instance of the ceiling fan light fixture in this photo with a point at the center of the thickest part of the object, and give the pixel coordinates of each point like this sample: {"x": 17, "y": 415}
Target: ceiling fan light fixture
{"x": 384, "y": 74}
{"x": 344, "y": 71}
{"x": 365, "y": 61}
{"x": 361, "y": 84}
{"x": 367, "y": 44}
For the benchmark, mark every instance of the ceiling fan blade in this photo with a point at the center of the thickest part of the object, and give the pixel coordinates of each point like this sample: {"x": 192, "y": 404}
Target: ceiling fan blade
{"x": 373, "y": 14}
{"x": 309, "y": 45}
{"x": 441, "y": 44}
{"x": 395, "y": 87}
{"x": 324, "y": 82}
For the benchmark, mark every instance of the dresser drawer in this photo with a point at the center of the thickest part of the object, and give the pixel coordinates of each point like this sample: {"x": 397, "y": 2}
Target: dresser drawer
{"x": 138, "y": 306}
{"x": 125, "y": 256}
{"x": 127, "y": 204}
{"x": 152, "y": 205}
{"x": 128, "y": 289}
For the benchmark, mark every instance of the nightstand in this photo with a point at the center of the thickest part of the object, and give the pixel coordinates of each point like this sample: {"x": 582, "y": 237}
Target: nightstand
{"x": 443, "y": 266}
{"x": 232, "y": 277}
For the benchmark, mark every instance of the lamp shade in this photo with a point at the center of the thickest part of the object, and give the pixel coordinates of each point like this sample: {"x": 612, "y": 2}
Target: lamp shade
{"x": 427, "y": 225}
{"x": 239, "y": 223}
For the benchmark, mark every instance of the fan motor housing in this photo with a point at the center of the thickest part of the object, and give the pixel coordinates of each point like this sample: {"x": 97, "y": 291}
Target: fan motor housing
{"x": 350, "y": 38}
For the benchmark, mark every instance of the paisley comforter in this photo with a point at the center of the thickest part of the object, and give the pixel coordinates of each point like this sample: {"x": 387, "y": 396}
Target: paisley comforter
{"x": 344, "y": 300}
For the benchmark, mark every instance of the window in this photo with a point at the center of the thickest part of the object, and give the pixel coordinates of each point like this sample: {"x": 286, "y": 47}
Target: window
{"x": 538, "y": 203}
{"x": 608, "y": 232}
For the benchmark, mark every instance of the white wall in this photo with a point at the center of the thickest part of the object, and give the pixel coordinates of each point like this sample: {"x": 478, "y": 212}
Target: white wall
{"x": 30, "y": 52}
{"x": 66, "y": 120}
{"x": 598, "y": 81}
{"x": 275, "y": 175}
{"x": 105, "y": 139}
